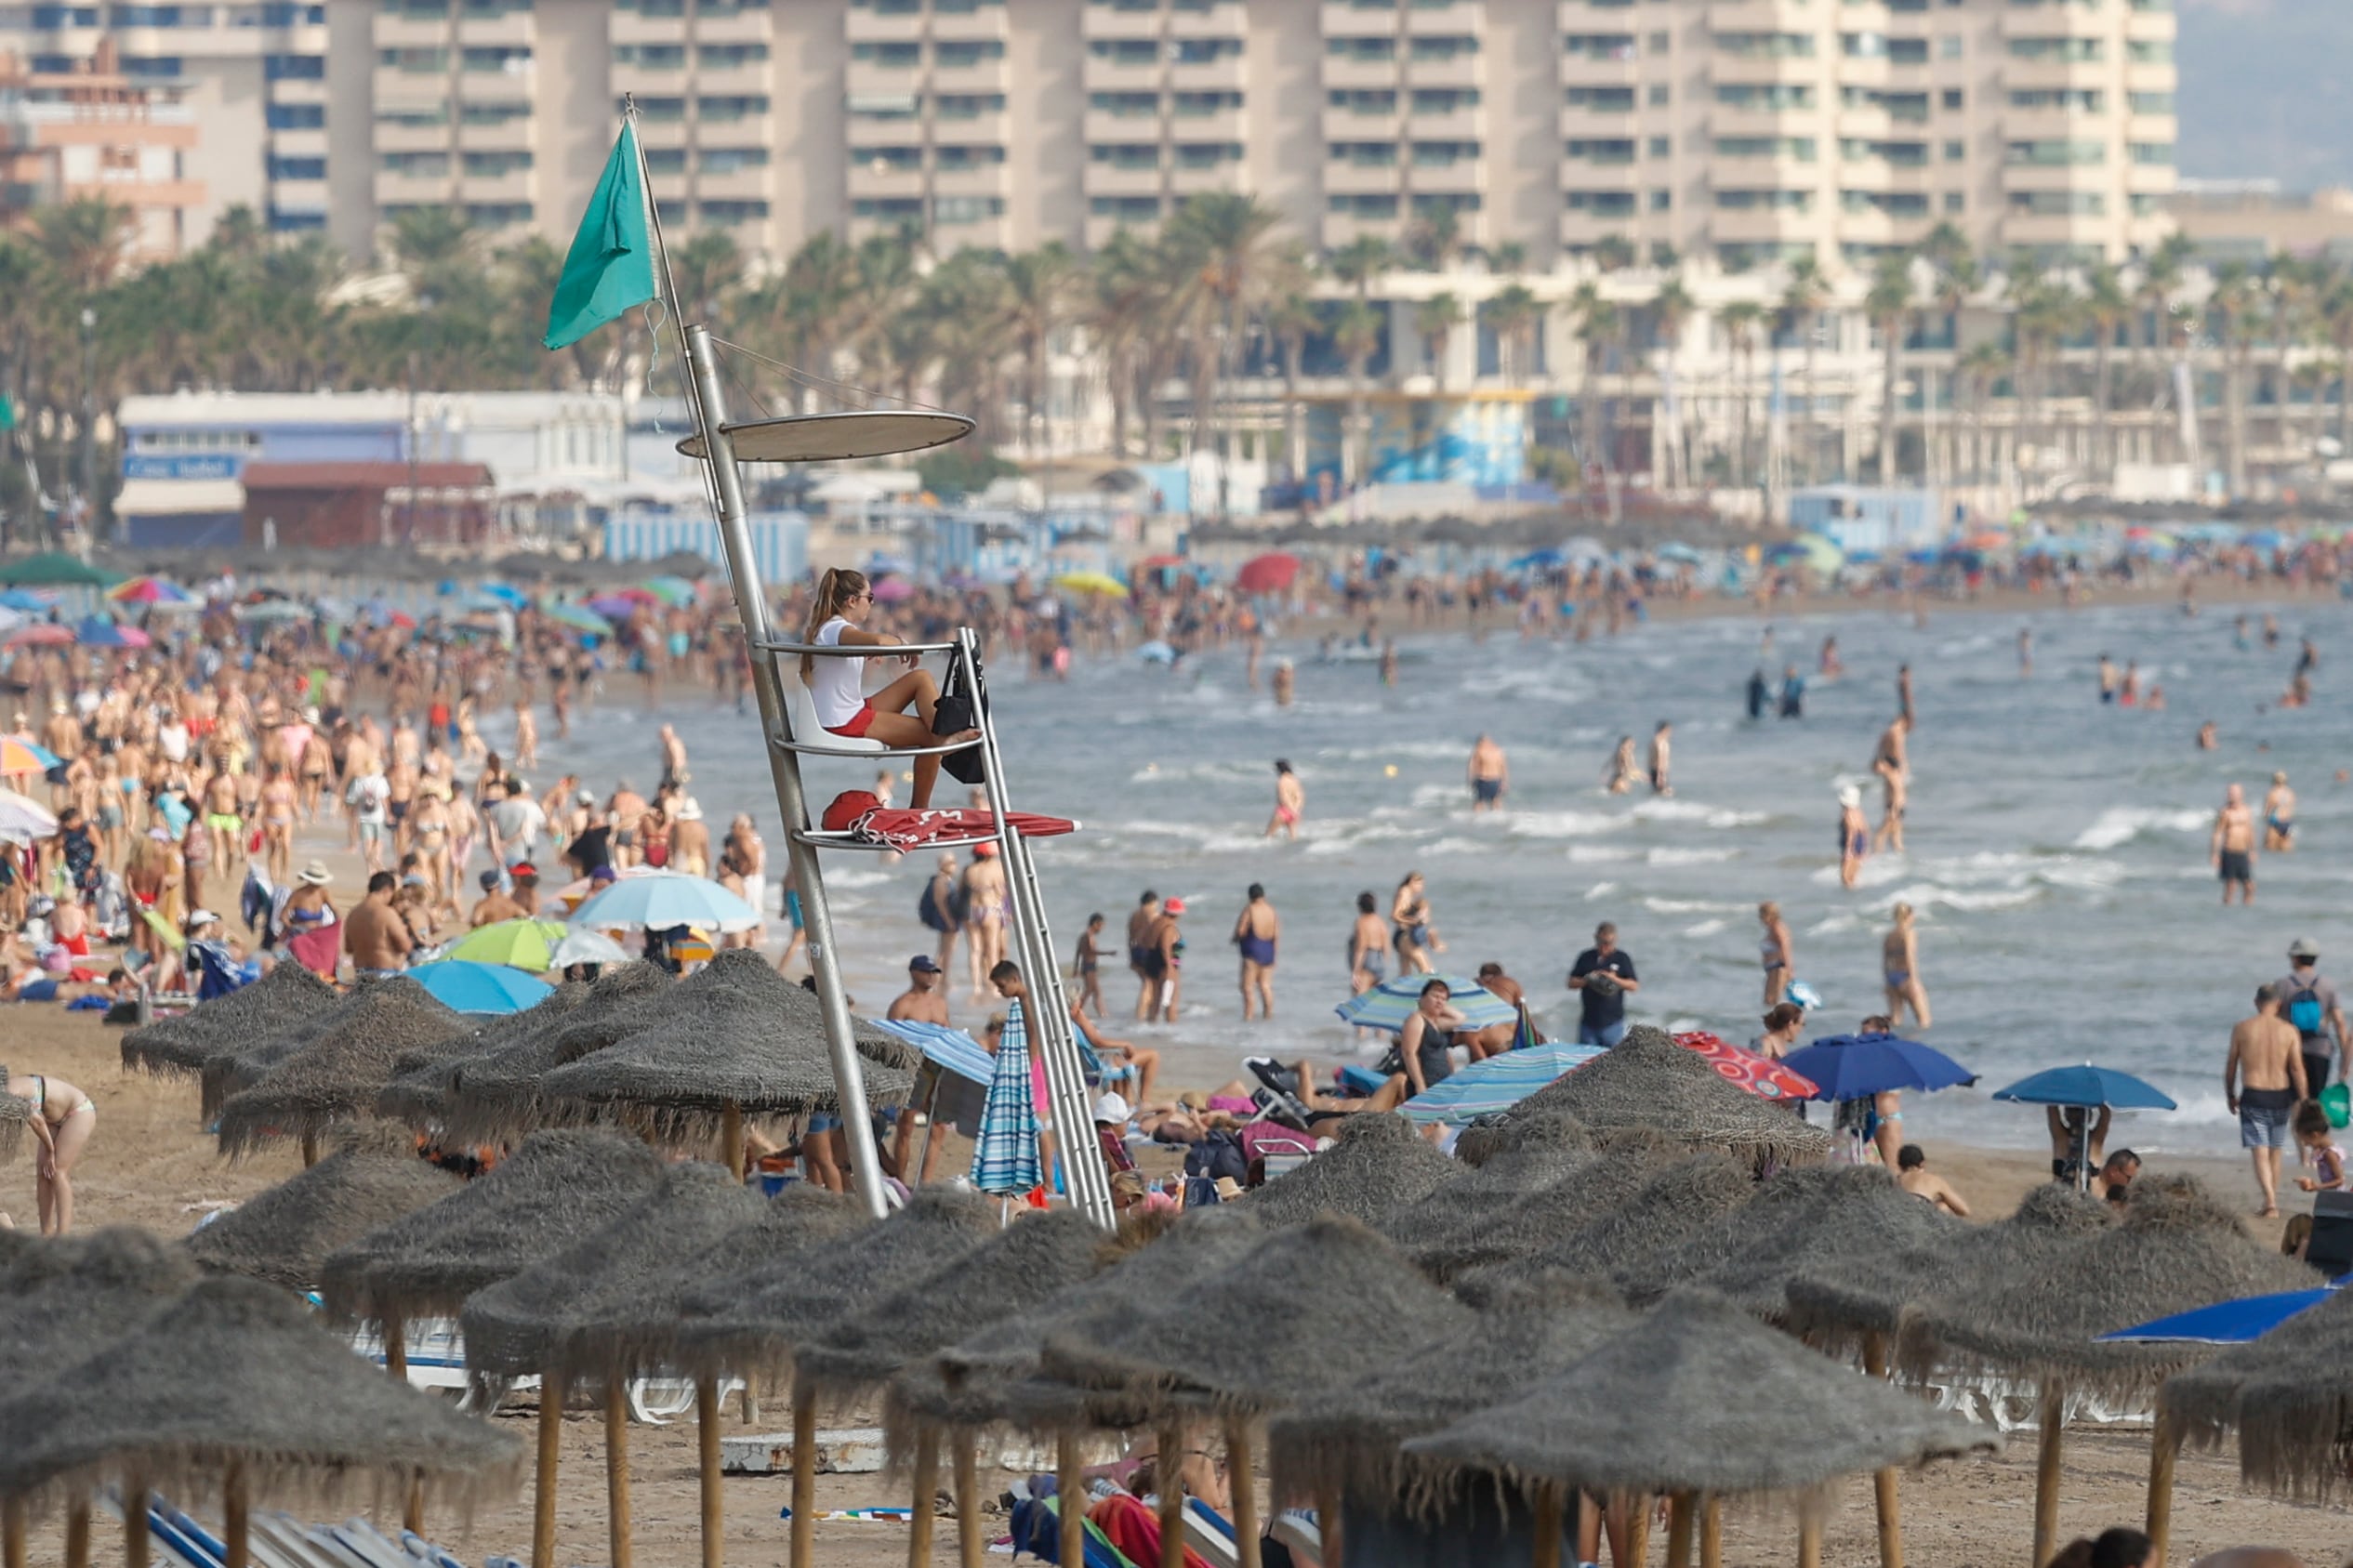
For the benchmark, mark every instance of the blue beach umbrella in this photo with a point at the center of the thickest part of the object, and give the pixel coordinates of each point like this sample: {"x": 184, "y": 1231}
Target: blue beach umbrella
{"x": 2087, "y": 1085}
{"x": 1005, "y": 1156}
{"x": 665, "y": 899}
{"x": 580, "y": 617}
{"x": 1388, "y": 1005}
{"x": 1497, "y": 1084}
{"x": 467, "y": 987}
{"x": 2225, "y": 1322}
{"x": 1857, "y": 1066}
{"x": 951, "y": 1051}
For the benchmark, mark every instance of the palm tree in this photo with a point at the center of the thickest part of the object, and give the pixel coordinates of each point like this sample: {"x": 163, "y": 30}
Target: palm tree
{"x": 1508, "y": 259}
{"x": 2336, "y": 317}
{"x": 1036, "y": 283}
{"x": 1888, "y": 304}
{"x": 1436, "y": 236}
{"x": 1598, "y": 321}
{"x": 1742, "y": 321}
{"x": 1359, "y": 261}
{"x": 1120, "y": 292}
{"x": 1292, "y": 320}
{"x": 2160, "y": 281}
{"x": 705, "y": 271}
{"x": 1356, "y": 334}
{"x": 1513, "y": 314}
{"x": 1980, "y": 368}
{"x": 1434, "y": 320}
{"x": 1957, "y": 282}
{"x": 2108, "y": 308}
{"x": 1224, "y": 250}
{"x": 2235, "y": 308}
{"x": 2044, "y": 313}
{"x": 1613, "y": 252}
{"x": 1803, "y": 296}
{"x": 1671, "y": 310}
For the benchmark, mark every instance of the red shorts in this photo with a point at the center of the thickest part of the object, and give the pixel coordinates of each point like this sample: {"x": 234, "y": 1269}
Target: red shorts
{"x": 856, "y": 727}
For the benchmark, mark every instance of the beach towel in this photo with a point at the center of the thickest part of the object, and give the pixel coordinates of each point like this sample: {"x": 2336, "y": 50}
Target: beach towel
{"x": 1005, "y": 1156}
{"x": 1135, "y": 1529}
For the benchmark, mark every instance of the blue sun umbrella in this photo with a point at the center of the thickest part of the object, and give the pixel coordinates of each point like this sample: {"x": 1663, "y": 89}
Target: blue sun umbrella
{"x": 1387, "y": 1005}
{"x": 665, "y": 899}
{"x": 2223, "y": 1322}
{"x": 951, "y": 1051}
{"x": 1857, "y": 1066}
{"x": 467, "y": 987}
{"x": 1497, "y": 1084}
{"x": 1005, "y": 1156}
{"x": 580, "y": 617}
{"x": 2087, "y": 1085}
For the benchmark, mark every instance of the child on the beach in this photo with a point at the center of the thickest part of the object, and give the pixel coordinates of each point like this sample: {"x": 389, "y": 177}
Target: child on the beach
{"x": 2316, "y": 1138}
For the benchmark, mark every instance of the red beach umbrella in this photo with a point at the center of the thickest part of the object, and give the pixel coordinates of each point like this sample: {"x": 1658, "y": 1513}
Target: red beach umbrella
{"x": 1267, "y": 573}
{"x": 1760, "y": 1075}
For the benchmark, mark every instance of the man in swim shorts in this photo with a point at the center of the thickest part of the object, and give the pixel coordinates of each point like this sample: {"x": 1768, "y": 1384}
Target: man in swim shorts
{"x": 2262, "y": 1081}
{"x": 1255, "y": 933}
{"x": 2233, "y": 847}
{"x": 1490, "y": 775}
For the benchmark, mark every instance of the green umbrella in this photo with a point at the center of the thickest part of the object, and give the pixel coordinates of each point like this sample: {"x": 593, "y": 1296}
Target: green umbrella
{"x": 524, "y": 944}
{"x": 53, "y": 569}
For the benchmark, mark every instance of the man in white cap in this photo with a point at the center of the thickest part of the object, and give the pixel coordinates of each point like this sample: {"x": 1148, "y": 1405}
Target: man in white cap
{"x": 2310, "y": 1003}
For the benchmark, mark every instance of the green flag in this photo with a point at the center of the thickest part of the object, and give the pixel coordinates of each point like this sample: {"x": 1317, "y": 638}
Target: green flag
{"x": 610, "y": 265}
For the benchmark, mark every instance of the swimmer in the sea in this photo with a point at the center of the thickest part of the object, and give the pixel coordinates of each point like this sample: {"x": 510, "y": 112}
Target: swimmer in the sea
{"x": 2278, "y": 816}
{"x": 1893, "y": 764}
{"x": 1899, "y": 967}
{"x": 1490, "y": 775}
{"x": 1619, "y": 777}
{"x": 1661, "y": 748}
{"x": 2026, "y": 653}
{"x": 2207, "y": 740}
{"x": 1291, "y": 800}
{"x": 1853, "y": 834}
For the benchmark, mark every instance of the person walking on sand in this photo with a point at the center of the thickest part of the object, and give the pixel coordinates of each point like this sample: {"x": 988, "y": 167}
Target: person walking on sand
{"x": 837, "y": 686}
{"x": 1854, "y": 835}
{"x": 1775, "y": 952}
{"x": 1662, "y": 740}
{"x": 2232, "y": 850}
{"x": 2278, "y": 816}
{"x": 63, "y": 1118}
{"x": 2310, "y": 1004}
{"x": 2262, "y": 1082}
{"x": 1255, "y": 932}
{"x": 1899, "y": 967}
{"x": 1291, "y": 800}
{"x": 1490, "y": 775}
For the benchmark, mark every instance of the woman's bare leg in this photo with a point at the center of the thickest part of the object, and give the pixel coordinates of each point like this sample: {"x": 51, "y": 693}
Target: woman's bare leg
{"x": 72, "y": 1137}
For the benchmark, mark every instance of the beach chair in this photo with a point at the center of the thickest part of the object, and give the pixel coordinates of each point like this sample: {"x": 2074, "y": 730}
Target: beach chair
{"x": 801, "y": 710}
{"x": 172, "y": 1537}
{"x": 1276, "y": 1095}
{"x": 1301, "y": 1534}
{"x": 1210, "y": 1533}
{"x": 291, "y": 1544}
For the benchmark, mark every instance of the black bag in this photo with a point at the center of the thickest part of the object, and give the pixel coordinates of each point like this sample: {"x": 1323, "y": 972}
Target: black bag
{"x": 960, "y": 709}
{"x": 1218, "y": 1154}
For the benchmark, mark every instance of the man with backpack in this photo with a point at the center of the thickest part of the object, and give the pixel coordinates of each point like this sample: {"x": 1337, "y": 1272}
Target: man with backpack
{"x": 2309, "y": 1003}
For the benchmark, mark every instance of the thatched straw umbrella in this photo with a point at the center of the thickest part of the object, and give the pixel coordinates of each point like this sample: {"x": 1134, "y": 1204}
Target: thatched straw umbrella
{"x": 1674, "y": 1192}
{"x": 177, "y": 1047}
{"x": 1501, "y": 1130}
{"x": 722, "y": 1050}
{"x": 1344, "y": 1441}
{"x": 61, "y": 1301}
{"x": 1649, "y": 1081}
{"x": 2178, "y": 1247}
{"x": 1527, "y": 1200}
{"x": 419, "y": 1091}
{"x": 1378, "y": 1164}
{"x": 967, "y": 1390}
{"x": 519, "y": 1326}
{"x": 235, "y": 1385}
{"x": 284, "y": 1235}
{"x": 498, "y": 1094}
{"x": 1332, "y": 1282}
{"x": 338, "y": 1072}
{"x": 2289, "y": 1395}
{"x": 1022, "y": 1266}
{"x": 759, "y": 1320}
{"x": 16, "y": 1115}
{"x": 1702, "y": 1401}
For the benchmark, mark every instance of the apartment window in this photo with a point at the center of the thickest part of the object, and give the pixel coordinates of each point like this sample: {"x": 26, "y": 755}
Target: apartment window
{"x": 1429, "y": 204}
{"x": 950, "y": 54}
{"x": 1197, "y": 51}
{"x": 651, "y": 57}
{"x": 890, "y": 209}
{"x": 959, "y": 8}
{"x": 967, "y": 155}
{"x": 511, "y": 58}
{"x": 1766, "y": 46}
{"x": 967, "y": 106}
{"x": 1765, "y": 200}
{"x": 665, "y": 160}
{"x": 2076, "y": 51}
{"x": 415, "y": 62}
{"x": 2059, "y": 203}
{"x": 890, "y": 7}
{"x": 1196, "y": 106}
{"x": 1956, "y": 151}
{"x": 1600, "y": 101}
{"x": 2150, "y": 51}
{"x": 412, "y": 117}
{"x": 142, "y": 16}
{"x": 491, "y": 11}
{"x": 1206, "y": 154}
{"x": 1364, "y": 155}
{"x": 1599, "y": 46}
{"x": 498, "y": 215}
{"x": 54, "y": 65}
{"x": 1444, "y": 154}
{"x": 719, "y": 10}
{"x": 489, "y": 166}
{"x": 418, "y": 166}
{"x": 1953, "y": 99}
{"x": 1661, "y": 147}
{"x": 750, "y": 210}
{"x": 2151, "y": 153}
{"x": 1658, "y": 96}
{"x": 2055, "y": 154}
{"x": 1601, "y": 204}
{"x": 2149, "y": 103}
{"x": 888, "y": 160}
{"x": 721, "y": 110}
{"x": 1863, "y": 45}
{"x": 1606, "y": 150}
{"x": 891, "y": 57}
{"x": 1361, "y": 205}
{"x": 507, "y": 114}
{"x": 299, "y": 116}
{"x": 1892, "y": 203}
{"x": 1661, "y": 201}
{"x": 1765, "y": 96}
{"x": 1127, "y": 209}
{"x": 295, "y": 67}
{"x": 1359, "y": 48}
{"x": 1660, "y": 43}
{"x": 2071, "y": 100}
{"x": 1125, "y": 106}
{"x": 1908, "y": 51}
{"x": 1363, "y": 101}
{"x": 1950, "y": 47}
{"x": 1902, "y": 155}
{"x": 2145, "y": 205}
{"x": 282, "y": 168}
{"x": 1798, "y": 149}
{"x": 283, "y": 223}
{"x": 150, "y": 67}
{"x": 48, "y": 18}
{"x": 2152, "y": 5}
{"x": 661, "y": 110}
{"x": 1955, "y": 201}
{"x": 1445, "y": 48}
{"x": 730, "y": 57}
{"x": 1443, "y": 101}
{"x": 661, "y": 10}
{"x": 1126, "y": 154}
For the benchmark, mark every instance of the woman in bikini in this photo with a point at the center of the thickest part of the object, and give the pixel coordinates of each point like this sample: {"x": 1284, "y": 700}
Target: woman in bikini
{"x": 1899, "y": 961}
{"x": 1410, "y": 912}
{"x": 1854, "y": 835}
{"x": 1773, "y": 951}
{"x": 837, "y": 616}
{"x": 63, "y": 1118}
{"x": 430, "y": 824}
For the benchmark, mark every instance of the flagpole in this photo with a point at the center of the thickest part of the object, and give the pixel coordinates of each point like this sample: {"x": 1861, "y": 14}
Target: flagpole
{"x": 724, "y": 490}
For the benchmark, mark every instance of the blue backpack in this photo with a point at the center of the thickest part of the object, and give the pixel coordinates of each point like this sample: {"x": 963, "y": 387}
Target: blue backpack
{"x": 2305, "y": 1012}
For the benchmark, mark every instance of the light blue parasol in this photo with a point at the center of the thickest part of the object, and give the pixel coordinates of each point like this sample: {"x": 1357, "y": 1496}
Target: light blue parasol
{"x": 1497, "y": 1084}
{"x": 1387, "y": 1005}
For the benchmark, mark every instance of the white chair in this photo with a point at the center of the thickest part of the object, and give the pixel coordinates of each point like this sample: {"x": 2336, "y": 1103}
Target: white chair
{"x": 800, "y": 711}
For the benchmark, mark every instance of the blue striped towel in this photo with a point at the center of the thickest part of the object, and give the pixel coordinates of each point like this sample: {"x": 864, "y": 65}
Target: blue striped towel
{"x": 1005, "y": 1157}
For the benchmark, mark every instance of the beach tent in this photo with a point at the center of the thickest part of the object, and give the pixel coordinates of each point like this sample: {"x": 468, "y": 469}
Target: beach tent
{"x": 371, "y": 1177}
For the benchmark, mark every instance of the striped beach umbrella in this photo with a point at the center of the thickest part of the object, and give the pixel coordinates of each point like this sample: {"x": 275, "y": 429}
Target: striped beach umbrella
{"x": 1005, "y": 1156}
{"x": 1497, "y": 1084}
{"x": 1388, "y": 1005}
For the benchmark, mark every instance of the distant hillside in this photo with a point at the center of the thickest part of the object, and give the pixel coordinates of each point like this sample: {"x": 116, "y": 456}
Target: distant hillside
{"x": 2265, "y": 92}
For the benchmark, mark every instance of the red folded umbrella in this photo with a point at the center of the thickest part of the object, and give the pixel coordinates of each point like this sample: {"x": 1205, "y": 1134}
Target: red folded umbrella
{"x": 1267, "y": 573}
{"x": 901, "y": 828}
{"x": 1760, "y": 1075}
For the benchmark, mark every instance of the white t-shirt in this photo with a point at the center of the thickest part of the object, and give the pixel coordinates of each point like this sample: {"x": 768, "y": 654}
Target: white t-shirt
{"x": 836, "y": 686}
{"x": 370, "y": 793}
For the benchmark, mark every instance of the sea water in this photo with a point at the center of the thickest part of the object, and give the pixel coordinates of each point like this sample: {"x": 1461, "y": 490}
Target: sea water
{"x": 2056, "y": 848}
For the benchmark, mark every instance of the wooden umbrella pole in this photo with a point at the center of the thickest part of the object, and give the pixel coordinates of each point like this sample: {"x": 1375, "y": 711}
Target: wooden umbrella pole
{"x": 396, "y": 1363}
{"x": 1242, "y": 1471}
{"x": 12, "y": 1532}
{"x": 1809, "y": 1542}
{"x": 1638, "y": 1529}
{"x": 309, "y": 1149}
{"x": 1070, "y": 1499}
{"x": 1328, "y": 1527}
{"x": 1168, "y": 1471}
{"x": 543, "y": 1499}
{"x": 1679, "y": 1530}
{"x": 2053, "y": 1417}
{"x": 927, "y": 1486}
{"x": 1712, "y": 1533}
{"x": 971, "y": 1547}
{"x": 2164, "y": 1445}
{"x": 135, "y": 1537}
{"x": 804, "y": 1473}
{"x": 77, "y": 1533}
{"x": 616, "y": 1468}
{"x": 706, "y": 1450}
{"x": 1886, "y": 1482}
{"x": 236, "y": 1517}
{"x": 731, "y": 1139}
{"x": 1545, "y": 1552}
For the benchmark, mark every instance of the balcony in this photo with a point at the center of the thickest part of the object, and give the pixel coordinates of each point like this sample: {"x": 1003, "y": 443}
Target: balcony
{"x": 1119, "y": 180}
{"x": 1342, "y": 178}
{"x": 630, "y": 27}
{"x": 1097, "y": 127}
{"x": 981, "y": 76}
{"x": 1341, "y": 20}
{"x": 962, "y": 27}
{"x": 1347, "y": 125}
{"x": 1233, "y": 125}
{"x": 1583, "y": 173}
{"x": 734, "y": 80}
{"x": 868, "y": 179}
{"x": 507, "y": 136}
{"x": 2035, "y": 230}
{"x": 399, "y": 29}
{"x": 1111, "y": 22}
{"x": 1773, "y": 172}
{"x": 513, "y": 186}
{"x": 865, "y": 76}
{"x": 1454, "y": 125}
{"x": 973, "y": 180}
{"x": 1344, "y": 72}
{"x": 1228, "y": 74}
{"x": 867, "y": 25}
{"x": 1104, "y": 74}
{"x": 394, "y": 136}
{"x": 1340, "y": 229}
{"x": 732, "y": 184}
{"x": 1763, "y": 226}
{"x": 510, "y": 27}
{"x": 1223, "y": 19}
{"x": 742, "y": 27}
{"x": 1768, "y": 16}
{"x": 1431, "y": 22}
{"x": 402, "y": 190}
{"x": 1600, "y": 70}
{"x": 1215, "y": 176}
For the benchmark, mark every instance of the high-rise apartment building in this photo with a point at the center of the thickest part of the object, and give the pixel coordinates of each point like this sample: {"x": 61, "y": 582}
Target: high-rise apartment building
{"x": 72, "y": 129}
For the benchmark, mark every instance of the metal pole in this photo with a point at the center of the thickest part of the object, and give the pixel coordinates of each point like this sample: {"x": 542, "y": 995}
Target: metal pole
{"x": 751, "y": 604}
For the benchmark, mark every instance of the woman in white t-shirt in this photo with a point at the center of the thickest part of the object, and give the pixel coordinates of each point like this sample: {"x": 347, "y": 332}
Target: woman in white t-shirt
{"x": 837, "y": 686}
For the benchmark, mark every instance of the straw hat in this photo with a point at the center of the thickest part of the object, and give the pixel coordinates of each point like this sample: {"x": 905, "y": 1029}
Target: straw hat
{"x": 338, "y": 1072}
{"x": 177, "y": 1047}
{"x": 283, "y": 1234}
{"x": 1378, "y": 1164}
{"x": 315, "y": 872}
